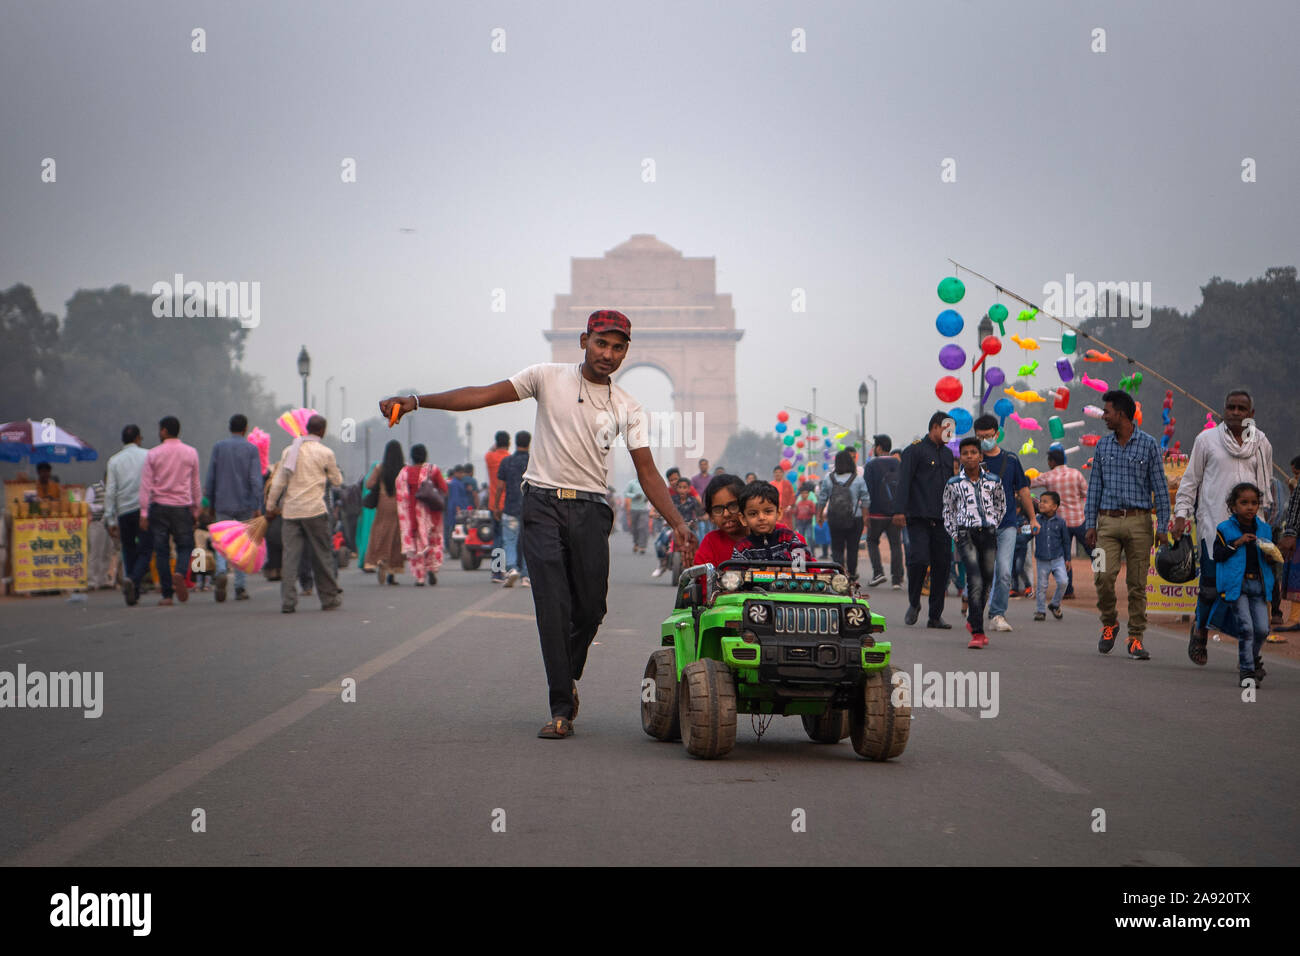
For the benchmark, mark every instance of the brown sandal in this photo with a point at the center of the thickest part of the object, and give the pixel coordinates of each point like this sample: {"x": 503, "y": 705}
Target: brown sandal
{"x": 557, "y": 728}
{"x": 1196, "y": 647}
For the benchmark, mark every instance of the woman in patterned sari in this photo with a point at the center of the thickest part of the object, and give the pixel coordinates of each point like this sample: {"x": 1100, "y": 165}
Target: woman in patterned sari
{"x": 421, "y": 528}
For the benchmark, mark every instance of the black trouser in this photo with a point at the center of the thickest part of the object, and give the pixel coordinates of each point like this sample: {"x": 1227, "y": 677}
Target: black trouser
{"x": 844, "y": 545}
{"x": 165, "y": 523}
{"x": 137, "y": 546}
{"x": 928, "y": 545}
{"x": 566, "y": 548}
{"x": 979, "y": 555}
{"x": 893, "y": 535}
{"x": 1077, "y": 533}
{"x": 308, "y": 540}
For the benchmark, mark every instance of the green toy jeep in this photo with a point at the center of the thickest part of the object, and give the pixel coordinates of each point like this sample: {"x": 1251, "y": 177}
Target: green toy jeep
{"x": 772, "y": 637}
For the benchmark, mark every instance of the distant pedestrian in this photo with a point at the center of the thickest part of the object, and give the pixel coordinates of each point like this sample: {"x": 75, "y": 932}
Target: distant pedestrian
{"x": 420, "y": 526}
{"x": 1052, "y": 552}
{"x": 1072, "y": 486}
{"x": 122, "y": 511}
{"x": 924, "y": 470}
{"x": 495, "y": 455}
{"x": 511, "y": 507}
{"x": 973, "y": 505}
{"x": 638, "y": 515}
{"x": 233, "y": 491}
{"x": 100, "y": 543}
{"x": 845, "y": 503}
{"x": 881, "y": 475}
{"x": 1244, "y": 576}
{"x": 1127, "y": 482}
{"x": 1006, "y": 467}
{"x": 307, "y": 469}
{"x": 169, "y": 503}
{"x": 1222, "y": 457}
{"x": 384, "y": 552}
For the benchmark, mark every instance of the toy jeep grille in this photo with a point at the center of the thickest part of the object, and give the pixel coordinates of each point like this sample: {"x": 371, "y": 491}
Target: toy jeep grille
{"x": 805, "y": 619}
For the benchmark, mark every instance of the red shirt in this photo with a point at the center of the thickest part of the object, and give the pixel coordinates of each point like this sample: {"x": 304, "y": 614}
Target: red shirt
{"x": 494, "y": 458}
{"x": 716, "y": 547}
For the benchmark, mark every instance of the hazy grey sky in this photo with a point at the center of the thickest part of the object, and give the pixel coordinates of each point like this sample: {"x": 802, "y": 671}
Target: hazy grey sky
{"x": 818, "y": 170}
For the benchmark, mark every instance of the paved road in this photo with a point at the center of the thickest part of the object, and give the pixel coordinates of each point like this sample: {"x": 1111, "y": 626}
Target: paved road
{"x": 236, "y": 710}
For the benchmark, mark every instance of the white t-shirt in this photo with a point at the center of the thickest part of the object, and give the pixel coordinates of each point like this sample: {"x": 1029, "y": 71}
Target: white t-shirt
{"x": 572, "y": 440}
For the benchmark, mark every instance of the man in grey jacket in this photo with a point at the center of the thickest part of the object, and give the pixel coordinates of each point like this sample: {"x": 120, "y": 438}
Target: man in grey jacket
{"x": 233, "y": 491}
{"x": 1233, "y": 452}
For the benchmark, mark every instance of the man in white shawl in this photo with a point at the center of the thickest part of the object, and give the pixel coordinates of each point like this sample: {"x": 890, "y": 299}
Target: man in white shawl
{"x": 1226, "y": 455}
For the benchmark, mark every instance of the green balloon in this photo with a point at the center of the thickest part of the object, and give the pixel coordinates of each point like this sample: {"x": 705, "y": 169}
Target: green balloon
{"x": 825, "y": 431}
{"x": 801, "y": 469}
{"x": 798, "y": 432}
{"x": 951, "y": 290}
{"x": 998, "y": 312}
{"x": 789, "y": 439}
{"x": 840, "y": 446}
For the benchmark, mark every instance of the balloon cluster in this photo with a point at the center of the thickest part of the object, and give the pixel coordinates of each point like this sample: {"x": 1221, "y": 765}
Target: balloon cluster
{"x": 950, "y": 323}
{"x": 800, "y": 445}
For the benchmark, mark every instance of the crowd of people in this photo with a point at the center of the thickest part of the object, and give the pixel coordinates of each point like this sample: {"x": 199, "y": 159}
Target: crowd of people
{"x": 975, "y": 524}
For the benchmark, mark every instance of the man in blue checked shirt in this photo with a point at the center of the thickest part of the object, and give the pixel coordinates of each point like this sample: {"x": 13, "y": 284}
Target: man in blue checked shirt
{"x": 1127, "y": 480}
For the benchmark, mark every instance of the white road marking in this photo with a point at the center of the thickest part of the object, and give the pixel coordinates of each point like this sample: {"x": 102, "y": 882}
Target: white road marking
{"x": 1048, "y": 777}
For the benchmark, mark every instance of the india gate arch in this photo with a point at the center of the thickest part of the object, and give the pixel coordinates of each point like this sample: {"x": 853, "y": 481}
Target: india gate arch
{"x": 681, "y": 326}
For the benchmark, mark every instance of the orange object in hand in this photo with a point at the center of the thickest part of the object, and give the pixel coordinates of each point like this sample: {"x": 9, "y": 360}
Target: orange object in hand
{"x": 394, "y": 413}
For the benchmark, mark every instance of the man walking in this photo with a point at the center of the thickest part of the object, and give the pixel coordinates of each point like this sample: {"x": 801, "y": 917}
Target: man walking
{"x": 881, "y": 475}
{"x": 307, "y": 468}
{"x": 1004, "y": 466}
{"x": 122, "y": 511}
{"x": 580, "y": 414}
{"x": 638, "y": 515}
{"x": 1072, "y": 487}
{"x": 169, "y": 503}
{"x": 1127, "y": 481}
{"x": 508, "y": 506}
{"x": 1221, "y": 458}
{"x": 498, "y": 453}
{"x": 923, "y": 472}
{"x": 234, "y": 492}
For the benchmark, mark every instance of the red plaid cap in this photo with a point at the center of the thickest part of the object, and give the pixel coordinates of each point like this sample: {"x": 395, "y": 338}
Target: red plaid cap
{"x": 609, "y": 320}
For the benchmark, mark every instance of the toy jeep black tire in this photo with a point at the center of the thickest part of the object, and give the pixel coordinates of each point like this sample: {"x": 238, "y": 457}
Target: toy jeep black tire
{"x": 878, "y": 728}
{"x": 659, "y": 717}
{"x": 707, "y": 705}
{"x": 830, "y": 728}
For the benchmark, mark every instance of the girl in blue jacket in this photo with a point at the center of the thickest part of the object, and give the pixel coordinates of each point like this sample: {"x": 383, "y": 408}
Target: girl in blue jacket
{"x": 1243, "y": 576}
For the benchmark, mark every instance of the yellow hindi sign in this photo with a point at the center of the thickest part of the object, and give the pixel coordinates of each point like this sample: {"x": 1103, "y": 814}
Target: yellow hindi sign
{"x": 1165, "y": 597}
{"x": 50, "y": 554}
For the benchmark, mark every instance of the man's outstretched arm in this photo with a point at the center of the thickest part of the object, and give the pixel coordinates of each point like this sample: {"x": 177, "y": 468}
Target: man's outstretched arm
{"x": 456, "y": 400}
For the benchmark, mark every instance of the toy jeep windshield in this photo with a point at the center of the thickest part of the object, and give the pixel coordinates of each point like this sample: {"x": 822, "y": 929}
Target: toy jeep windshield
{"x": 772, "y": 638}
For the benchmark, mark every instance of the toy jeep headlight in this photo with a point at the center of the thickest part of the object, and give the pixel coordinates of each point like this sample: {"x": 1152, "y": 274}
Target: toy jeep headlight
{"x": 840, "y": 584}
{"x": 731, "y": 580}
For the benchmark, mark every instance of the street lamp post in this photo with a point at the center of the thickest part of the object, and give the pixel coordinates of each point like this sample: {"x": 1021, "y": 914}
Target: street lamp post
{"x": 469, "y": 441}
{"x": 327, "y": 396}
{"x": 304, "y": 369}
{"x": 876, "y": 409}
{"x": 343, "y": 401}
{"x": 863, "y": 395}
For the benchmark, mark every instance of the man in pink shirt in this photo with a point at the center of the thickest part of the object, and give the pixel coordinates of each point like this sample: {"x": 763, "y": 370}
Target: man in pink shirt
{"x": 169, "y": 503}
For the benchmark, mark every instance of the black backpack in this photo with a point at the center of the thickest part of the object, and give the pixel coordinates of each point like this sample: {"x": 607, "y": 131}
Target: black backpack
{"x": 839, "y": 510}
{"x": 889, "y": 491}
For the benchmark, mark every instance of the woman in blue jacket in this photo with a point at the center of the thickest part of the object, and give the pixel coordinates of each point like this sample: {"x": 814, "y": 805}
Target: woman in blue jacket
{"x": 1243, "y": 576}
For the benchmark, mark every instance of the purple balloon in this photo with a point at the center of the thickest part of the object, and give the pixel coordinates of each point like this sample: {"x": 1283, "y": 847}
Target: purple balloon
{"x": 787, "y": 453}
{"x": 952, "y": 357}
{"x": 804, "y": 420}
{"x": 954, "y": 446}
{"x": 994, "y": 376}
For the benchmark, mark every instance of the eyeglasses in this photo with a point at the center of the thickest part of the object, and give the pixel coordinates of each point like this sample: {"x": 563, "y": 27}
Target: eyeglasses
{"x": 719, "y": 510}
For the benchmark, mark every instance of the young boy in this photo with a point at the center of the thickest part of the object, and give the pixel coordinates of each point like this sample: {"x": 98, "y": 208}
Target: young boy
{"x": 1052, "y": 549}
{"x": 805, "y": 509}
{"x": 688, "y": 505}
{"x": 974, "y": 503}
{"x": 760, "y": 505}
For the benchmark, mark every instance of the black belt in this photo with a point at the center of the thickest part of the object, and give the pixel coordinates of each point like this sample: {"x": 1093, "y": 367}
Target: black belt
{"x": 565, "y": 494}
